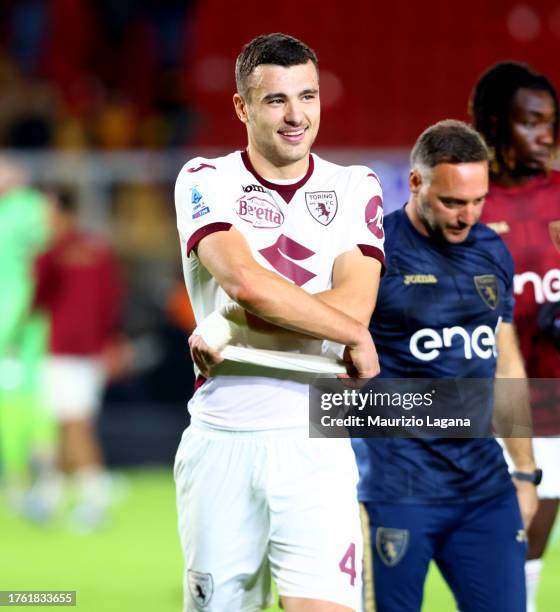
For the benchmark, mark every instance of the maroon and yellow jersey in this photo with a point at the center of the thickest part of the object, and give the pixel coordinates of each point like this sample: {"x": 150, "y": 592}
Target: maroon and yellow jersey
{"x": 528, "y": 220}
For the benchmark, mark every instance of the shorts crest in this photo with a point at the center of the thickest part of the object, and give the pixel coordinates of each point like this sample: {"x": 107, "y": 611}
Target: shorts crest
{"x": 391, "y": 544}
{"x": 201, "y": 587}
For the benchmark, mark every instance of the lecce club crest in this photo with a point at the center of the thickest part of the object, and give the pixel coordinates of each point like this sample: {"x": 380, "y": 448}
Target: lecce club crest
{"x": 322, "y": 205}
{"x": 391, "y": 544}
{"x": 487, "y": 287}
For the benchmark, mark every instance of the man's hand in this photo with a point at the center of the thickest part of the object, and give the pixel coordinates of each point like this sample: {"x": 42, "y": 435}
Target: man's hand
{"x": 362, "y": 358}
{"x": 203, "y": 356}
{"x": 528, "y": 500}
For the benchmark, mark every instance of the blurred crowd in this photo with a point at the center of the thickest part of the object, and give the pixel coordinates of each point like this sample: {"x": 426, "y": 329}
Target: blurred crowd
{"x": 95, "y": 73}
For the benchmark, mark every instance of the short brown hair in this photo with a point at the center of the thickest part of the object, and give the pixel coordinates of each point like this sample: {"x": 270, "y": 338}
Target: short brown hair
{"x": 277, "y": 49}
{"x": 447, "y": 142}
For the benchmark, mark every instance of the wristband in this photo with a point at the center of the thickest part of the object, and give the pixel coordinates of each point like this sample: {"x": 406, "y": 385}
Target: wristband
{"x": 534, "y": 477}
{"x": 216, "y": 330}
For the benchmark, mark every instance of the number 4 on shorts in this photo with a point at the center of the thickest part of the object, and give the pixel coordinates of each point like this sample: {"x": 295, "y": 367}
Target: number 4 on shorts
{"x": 347, "y": 564}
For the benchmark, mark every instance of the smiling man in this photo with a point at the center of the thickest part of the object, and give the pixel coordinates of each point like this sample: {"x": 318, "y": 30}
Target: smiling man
{"x": 444, "y": 312}
{"x": 290, "y": 238}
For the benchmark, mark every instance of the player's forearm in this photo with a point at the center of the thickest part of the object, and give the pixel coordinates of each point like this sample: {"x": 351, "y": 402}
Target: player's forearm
{"x": 273, "y": 299}
{"x": 355, "y": 285}
{"x": 521, "y": 452}
{"x": 512, "y": 410}
{"x": 512, "y": 414}
{"x": 351, "y": 304}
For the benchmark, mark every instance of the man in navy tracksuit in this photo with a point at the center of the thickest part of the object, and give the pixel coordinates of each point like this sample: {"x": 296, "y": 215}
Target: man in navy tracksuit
{"x": 444, "y": 311}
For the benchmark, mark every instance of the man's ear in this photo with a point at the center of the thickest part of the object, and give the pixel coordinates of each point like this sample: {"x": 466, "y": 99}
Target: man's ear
{"x": 240, "y": 108}
{"x": 414, "y": 181}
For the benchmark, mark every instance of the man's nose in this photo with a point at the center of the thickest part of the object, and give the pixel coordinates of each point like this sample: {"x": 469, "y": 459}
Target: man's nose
{"x": 294, "y": 113}
{"x": 546, "y": 135}
{"x": 469, "y": 214}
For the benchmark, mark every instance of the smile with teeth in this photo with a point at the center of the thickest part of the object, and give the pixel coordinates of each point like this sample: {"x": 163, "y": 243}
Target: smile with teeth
{"x": 292, "y": 135}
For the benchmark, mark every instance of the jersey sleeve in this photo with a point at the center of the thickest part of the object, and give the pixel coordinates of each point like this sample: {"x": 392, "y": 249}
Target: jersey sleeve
{"x": 200, "y": 202}
{"x": 507, "y": 304}
{"x": 366, "y": 225}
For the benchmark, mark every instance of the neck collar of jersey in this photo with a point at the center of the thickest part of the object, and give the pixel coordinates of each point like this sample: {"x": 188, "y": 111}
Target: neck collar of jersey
{"x": 285, "y": 191}
{"x": 535, "y": 182}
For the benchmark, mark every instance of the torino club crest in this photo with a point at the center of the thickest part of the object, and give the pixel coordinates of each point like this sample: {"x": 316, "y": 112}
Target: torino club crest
{"x": 201, "y": 586}
{"x": 322, "y": 205}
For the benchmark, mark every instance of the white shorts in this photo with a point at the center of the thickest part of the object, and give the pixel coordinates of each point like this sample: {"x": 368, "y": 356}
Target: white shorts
{"x": 256, "y": 504}
{"x": 73, "y": 386}
{"x": 547, "y": 457}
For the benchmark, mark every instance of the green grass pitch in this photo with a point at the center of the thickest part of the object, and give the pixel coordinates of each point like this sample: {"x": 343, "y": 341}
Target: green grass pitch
{"x": 134, "y": 564}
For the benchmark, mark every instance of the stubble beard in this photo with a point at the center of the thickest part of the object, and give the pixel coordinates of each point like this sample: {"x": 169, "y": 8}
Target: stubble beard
{"x": 426, "y": 217}
{"x": 281, "y": 154}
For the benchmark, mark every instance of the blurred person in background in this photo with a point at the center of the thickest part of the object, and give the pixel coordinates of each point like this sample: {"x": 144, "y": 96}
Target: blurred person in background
{"x": 78, "y": 286}
{"x": 25, "y": 431}
{"x": 516, "y": 110}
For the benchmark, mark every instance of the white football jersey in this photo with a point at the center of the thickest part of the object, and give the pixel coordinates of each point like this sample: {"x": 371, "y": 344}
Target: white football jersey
{"x": 296, "y": 230}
